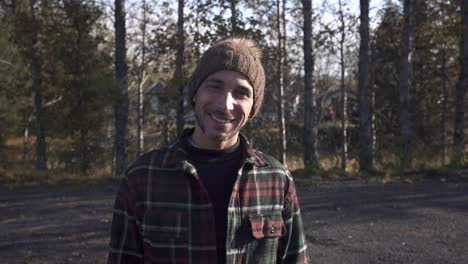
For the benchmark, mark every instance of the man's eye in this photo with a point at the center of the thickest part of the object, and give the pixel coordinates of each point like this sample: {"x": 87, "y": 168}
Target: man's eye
{"x": 214, "y": 87}
{"x": 243, "y": 94}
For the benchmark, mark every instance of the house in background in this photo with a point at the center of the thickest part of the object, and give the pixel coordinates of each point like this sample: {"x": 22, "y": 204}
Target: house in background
{"x": 159, "y": 96}
{"x": 330, "y": 104}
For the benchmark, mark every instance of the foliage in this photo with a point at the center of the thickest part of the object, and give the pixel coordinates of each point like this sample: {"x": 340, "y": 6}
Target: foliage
{"x": 15, "y": 101}
{"x": 75, "y": 40}
{"x": 427, "y": 76}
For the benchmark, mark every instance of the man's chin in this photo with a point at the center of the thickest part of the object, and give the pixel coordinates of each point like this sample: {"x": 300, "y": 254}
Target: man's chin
{"x": 220, "y": 137}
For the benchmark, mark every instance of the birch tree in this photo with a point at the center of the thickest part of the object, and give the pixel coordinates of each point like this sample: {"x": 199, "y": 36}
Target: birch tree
{"x": 343, "y": 88}
{"x": 142, "y": 77}
{"x": 280, "y": 82}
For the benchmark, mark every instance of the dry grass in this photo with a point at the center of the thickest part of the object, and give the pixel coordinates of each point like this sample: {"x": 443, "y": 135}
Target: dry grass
{"x": 16, "y": 171}
{"x": 26, "y": 176}
{"x": 327, "y": 162}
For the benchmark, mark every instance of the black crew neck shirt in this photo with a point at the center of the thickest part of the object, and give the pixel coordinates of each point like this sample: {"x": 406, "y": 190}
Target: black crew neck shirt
{"x": 218, "y": 171}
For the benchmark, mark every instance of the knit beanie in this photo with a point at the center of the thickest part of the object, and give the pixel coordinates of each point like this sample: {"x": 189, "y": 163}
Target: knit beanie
{"x": 236, "y": 54}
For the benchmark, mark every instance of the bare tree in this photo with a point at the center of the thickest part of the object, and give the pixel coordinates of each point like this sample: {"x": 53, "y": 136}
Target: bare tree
{"x": 280, "y": 70}
{"x": 311, "y": 156}
{"x": 365, "y": 124}
{"x": 344, "y": 93}
{"x": 121, "y": 105}
{"x": 405, "y": 86}
{"x": 460, "y": 93}
{"x": 178, "y": 74}
{"x": 142, "y": 77}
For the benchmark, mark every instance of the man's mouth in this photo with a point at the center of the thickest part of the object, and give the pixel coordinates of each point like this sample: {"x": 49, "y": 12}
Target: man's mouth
{"x": 221, "y": 118}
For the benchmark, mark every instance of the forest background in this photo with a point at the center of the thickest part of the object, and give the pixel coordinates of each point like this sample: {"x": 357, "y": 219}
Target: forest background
{"x": 87, "y": 86}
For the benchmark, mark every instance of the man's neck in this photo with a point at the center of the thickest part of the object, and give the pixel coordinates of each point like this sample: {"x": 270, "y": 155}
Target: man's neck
{"x": 199, "y": 140}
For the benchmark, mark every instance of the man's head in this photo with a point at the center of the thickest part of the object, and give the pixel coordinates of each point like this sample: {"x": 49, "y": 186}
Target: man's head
{"x": 226, "y": 90}
{"x": 235, "y": 54}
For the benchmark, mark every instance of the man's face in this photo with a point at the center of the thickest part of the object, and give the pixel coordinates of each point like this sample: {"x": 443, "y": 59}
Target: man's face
{"x": 222, "y": 107}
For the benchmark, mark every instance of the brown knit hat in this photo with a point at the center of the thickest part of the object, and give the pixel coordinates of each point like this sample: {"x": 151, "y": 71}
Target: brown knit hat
{"x": 236, "y": 54}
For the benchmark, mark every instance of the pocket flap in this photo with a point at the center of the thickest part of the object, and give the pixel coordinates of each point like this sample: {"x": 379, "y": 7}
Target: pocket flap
{"x": 267, "y": 226}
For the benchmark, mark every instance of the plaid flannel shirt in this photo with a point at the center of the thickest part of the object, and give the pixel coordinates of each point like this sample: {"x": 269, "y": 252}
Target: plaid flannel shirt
{"x": 163, "y": 213}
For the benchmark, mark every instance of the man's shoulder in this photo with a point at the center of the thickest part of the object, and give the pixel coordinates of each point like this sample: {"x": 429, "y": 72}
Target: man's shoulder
{"x": 148, "y": 160}
{"x": 270, "y": 161}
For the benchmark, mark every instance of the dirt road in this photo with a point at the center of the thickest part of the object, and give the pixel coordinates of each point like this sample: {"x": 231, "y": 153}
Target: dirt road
{"x": 346, "y": 222}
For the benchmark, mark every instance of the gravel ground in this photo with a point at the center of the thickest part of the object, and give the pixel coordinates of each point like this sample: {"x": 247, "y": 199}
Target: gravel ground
{"x": 351, "y": 222}
{"x": 346, "y": 222}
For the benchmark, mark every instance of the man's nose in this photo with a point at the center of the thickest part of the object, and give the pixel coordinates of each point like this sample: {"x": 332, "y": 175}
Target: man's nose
{"x": 226, "y": 102}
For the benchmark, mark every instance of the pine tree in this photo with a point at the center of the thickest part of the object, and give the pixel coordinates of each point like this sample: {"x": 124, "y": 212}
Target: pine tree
{"x": 406, "y": 87}
{"x": 365, "y": 122}
{"x": 121, "y": 105}
{"x": 460, "y": 93}
{"x": 311, "y": 157}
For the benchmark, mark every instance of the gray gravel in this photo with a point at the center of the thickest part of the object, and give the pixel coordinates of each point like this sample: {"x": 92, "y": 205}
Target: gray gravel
{"x": 346, "y": 222}
{"x": 351, "y": 222}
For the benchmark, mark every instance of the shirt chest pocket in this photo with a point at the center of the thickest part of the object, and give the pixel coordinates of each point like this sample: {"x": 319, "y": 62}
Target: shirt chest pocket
{"x": 266, "y": 226}
{"x": 163, "y": 225}
{"x": 265, "y": 231}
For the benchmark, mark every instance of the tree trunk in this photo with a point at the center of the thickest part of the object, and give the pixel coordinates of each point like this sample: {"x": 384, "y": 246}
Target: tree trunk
{"x": 443, "y": 116}
{"x": 365, "y": 124}
{"x": 373, "y": 126}
{"x": 141, "y": 81}
{"x": 311, "y": 157}
{"x": 197, "y": 30}
{"x": 140, "y": 119}
{"x": 280, "y": 70}
{"x": 41, "y": 157}
{"x": 121, "y": 105}
{"x": 178, "y": 74}
{"x": 25, "y": 143}
{"x": 405, "y": 87}
{"x": 234, "y": 28}
{"x": 460, "y": 93}
{"x": 285, "y": 75}
{"x": 344, "y": 94}
{"x": 373, "y": 60}
{"x": 78, "y": 85}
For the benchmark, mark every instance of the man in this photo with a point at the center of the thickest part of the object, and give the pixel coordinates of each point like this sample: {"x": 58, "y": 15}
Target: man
{"x": 210, "y": 197}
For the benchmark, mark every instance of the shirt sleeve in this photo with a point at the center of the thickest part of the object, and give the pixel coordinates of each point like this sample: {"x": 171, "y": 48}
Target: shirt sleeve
{"x": 125, "y": 242}
{"x": 293, "y": 246}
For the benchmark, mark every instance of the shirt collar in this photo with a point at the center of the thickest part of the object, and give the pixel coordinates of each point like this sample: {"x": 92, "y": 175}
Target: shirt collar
{"x": 177, "y": 155}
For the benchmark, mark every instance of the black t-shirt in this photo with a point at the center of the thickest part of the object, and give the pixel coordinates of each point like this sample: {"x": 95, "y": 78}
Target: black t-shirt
{"x": 218, "y": 172}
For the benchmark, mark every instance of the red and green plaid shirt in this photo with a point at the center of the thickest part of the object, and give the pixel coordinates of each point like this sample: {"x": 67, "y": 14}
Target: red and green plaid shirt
{"x": 163, "y": 213}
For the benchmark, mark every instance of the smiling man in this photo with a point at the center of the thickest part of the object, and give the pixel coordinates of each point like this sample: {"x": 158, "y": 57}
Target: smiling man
{"x": 210, "y": 197}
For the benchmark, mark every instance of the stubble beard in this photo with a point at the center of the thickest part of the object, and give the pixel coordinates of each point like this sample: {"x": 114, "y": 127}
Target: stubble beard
{"x": 217, "y": 137}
